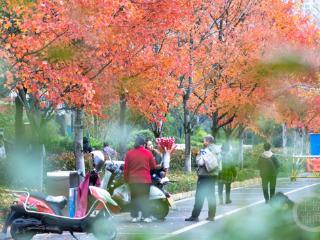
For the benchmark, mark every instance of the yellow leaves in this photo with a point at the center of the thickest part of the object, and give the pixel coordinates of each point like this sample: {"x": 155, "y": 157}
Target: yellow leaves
{"x": 20, "y": 3}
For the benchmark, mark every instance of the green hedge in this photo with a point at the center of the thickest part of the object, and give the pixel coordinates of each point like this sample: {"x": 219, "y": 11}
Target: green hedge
{"x": 251, "y": 156}
{"x": 145, "y": 133}
{"x": 177, "y": 159}
{"x": 245, "y": 174}
{"x": 197, "y": 137}
{"x": 6, "y": 199}
{"x": 7, "y": 121}
{"x": 64, "y": 161}
{"x": 59, "y": 144}
{"x": 5, "y": 178}
{"x": 95, "y": 143}
{"x": 184, "y": 182}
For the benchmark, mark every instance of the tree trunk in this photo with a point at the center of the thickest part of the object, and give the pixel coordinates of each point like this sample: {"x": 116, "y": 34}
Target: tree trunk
{"x": 303, "y": 141}
{"x": 187, "y": 134}
{"x": 307, "y": 141}
{"x": 122, "y": 126}
{"x": 78, "y": 140}
{"x": 19, "y": 127}
{"x": 187, "y": 153}
{"x": 241, "y": 149}
{"x": 61, "y": 120}
{"x": 228, "y": 133}
{"x": 41, "y": 156}
{"x": 32, "y": 163}
{"x": 241, "y": 134}
{"x": 294, "y": 150}
{"x": 96, "y": 133}
{"x": 214, "y": 132}
{"x": 214, "y": 127}
{"x": 30, "y": 155}
{"x": 186, "y": 112}
{"x": 156, "y": 129}
{"x": 284, "y": 139}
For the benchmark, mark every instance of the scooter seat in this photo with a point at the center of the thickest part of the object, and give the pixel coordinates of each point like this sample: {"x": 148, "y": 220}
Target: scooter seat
{"x": 56, "y": 202}
{"x": 60, "y": 200}
{"x": 56, "y": 199}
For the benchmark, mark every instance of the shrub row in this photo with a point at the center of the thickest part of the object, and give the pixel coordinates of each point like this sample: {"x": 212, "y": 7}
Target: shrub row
{"x": 187, "y": 182}
{"x": 64, "y": 161}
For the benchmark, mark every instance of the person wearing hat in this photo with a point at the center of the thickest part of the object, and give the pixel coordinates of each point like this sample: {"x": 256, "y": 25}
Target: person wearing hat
{"x": 137, "y": 166}
{"x": 208, "y": 169}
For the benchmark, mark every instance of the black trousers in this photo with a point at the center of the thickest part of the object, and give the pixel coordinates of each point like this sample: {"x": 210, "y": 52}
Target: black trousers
{"x": 268, "y": 184}
{"x": 140, "y": 199}
{"x": 205, "y": 189}
{"x": 220, "y": 190}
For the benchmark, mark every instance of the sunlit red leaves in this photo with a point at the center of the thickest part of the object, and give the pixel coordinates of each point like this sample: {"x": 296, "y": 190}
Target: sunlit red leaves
{"x": 87, "y": 53}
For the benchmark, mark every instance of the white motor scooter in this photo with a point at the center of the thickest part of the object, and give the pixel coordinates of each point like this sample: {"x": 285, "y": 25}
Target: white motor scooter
{"x": 113, "y": 181}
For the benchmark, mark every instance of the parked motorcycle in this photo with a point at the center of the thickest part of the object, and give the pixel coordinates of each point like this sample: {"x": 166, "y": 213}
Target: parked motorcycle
{"x": 113, "y": 181}
{"x": 38, "y": 213}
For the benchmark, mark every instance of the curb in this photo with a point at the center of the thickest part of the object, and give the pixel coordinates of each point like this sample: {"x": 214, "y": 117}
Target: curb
{"x": 234, "y": 185}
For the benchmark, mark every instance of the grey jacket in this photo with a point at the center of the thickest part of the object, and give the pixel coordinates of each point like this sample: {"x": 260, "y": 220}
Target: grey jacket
{"x": 202, "y": 171}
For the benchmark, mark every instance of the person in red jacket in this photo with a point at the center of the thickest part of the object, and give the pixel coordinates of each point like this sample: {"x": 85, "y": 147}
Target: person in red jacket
{"x": 137, "y": 165}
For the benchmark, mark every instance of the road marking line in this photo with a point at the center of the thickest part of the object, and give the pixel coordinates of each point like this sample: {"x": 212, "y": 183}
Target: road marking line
{"x": 188, "y": 198}
{"x": 190, "y": 227}
{"x": 253, "y": 187}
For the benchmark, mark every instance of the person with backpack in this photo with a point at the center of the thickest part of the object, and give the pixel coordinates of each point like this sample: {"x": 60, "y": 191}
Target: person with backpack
{"x": 268, "y": 165}
{"x": 227, "y": 175}
{"x": 208, "y": 170}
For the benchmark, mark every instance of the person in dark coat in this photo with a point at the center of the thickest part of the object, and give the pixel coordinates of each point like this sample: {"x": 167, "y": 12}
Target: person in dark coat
{"x": 137, "y": 166}
{"x": 268, "y": 165}
{"x": 227, "y": 175}
{"x": 86, "y": 145}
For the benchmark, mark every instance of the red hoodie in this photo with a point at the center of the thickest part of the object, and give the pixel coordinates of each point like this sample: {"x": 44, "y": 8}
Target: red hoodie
{"x": 137, "y": 165}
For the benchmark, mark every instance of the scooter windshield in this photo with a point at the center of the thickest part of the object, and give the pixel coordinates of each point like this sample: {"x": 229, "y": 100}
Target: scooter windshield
{"x": 102, "y": 195}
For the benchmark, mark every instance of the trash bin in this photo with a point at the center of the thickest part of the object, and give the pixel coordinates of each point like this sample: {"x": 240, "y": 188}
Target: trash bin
{"x": 74, "y": 182}
{"x": 58, "y": 182}
{"x": 64, "y": 183}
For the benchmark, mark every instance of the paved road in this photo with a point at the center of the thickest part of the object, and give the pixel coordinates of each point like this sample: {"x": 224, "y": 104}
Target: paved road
{"x": 247, "y": 204}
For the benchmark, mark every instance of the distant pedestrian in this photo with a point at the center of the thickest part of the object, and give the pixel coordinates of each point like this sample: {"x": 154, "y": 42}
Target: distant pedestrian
{"x": 109, "y": 152}
{"x": 137, "y": 166}
{"x": 208, "y": 170}
{"x": 268, "y": 165}
{"x": 86, "y": 145}
{"x": 227, "y": 175}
